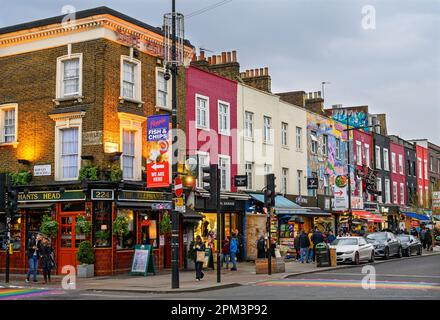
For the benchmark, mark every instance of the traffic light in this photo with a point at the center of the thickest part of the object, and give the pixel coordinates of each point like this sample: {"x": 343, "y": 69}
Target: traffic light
{"x": 12, "y": 198}
{"x": 269, "y": 193}
{"x": 211, "y": 183}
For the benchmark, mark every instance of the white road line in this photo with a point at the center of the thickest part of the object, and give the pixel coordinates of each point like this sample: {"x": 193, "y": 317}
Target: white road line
{"x": 381, "y": 275}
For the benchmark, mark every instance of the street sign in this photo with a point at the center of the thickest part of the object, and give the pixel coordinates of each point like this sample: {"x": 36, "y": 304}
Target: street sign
{"x": 340, "y": 194}
{"x": 179, "y": 204}
{"x": 312, "y": 183}
{"x": 42, "y": 170}
{"x": 158, "y": 175}
{"x": 178, "y": 187}
{"x": 241, "y": 181}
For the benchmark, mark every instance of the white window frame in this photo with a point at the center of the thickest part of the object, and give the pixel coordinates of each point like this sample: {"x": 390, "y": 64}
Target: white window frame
{"x": 358, "y": 153}
{"x": 387, "y": 191}
{"x": 267, "y": 129}
{"x": 393, "y": 162}
{"x": 227, "y": 131}
{"x": 168, "y": 88}
{"x": 137, "y": 80}
{"x": 314, "y": 142}
{"x": 426, "y": 197}
{"x": 299, "y": 175}
{"x": 249, "y": 171}
{"x": 284, "y": 134}
{"x": 419, "y": 161}
{"x": 400, "y": 164}
{"x": 59, "y": 88}
{"x": 132, "y": 122}
{"x": 425, "y": 166}
{"x": 337, "y": 148}
{"x": 367, "y": 154}
{"x": 420, "y": 195}
{"x": 284, "y": 180}
{"x": 3, "y": 109}
{"x": 378, "y": 155}
{"x": 395, "y": 194}
{"x": 266, "y": 168}
{"x": 379, "y": 188}
{"x": 249, "y": 124}
{"x": 205, "y": 155}
{"x": 298, "y": 132}
{"x": 386, "y": 159}
{"x": 402, "y": 193}
{"x": 228, "y": 172}
{"x": 325, "y": 145}
{"x": 66, "y": 121}
{"x": 207, "y": 120}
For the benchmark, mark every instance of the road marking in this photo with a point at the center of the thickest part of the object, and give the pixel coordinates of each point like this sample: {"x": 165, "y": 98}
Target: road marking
{"x": 20, "y": 293}
{"x": 350, "y": 284}
{"x": 380, "y": 275}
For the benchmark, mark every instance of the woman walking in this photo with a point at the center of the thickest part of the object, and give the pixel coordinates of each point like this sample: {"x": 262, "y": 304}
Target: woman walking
{"x": 46, "y": 251}
{"x": 199, "y": 248}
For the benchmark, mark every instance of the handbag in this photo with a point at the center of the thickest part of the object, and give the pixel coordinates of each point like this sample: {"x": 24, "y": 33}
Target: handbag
{"x": 200, "y": 256}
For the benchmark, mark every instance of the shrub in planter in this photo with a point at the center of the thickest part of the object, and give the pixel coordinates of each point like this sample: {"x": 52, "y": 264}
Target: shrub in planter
{"x": 83, "y": 226}
{"x": 86, "y": 259}
{"x": 165, "y": 224}
{"x": 102, "y": 237}
{"x": 88, "y": 173}
{"x": 115, "y": 174}
{"x": 49, "y": 226}
{"x": 120, "y": 227}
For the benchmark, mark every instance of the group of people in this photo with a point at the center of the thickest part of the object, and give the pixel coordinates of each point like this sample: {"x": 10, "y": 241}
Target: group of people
{"x": 305, "y": 244}
{"x": 232, "y": 250}
{"x": 39, "y": 247}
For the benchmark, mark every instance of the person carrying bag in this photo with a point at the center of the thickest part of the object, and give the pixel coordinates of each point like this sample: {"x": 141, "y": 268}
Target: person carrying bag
{"x": 199, "y": 248}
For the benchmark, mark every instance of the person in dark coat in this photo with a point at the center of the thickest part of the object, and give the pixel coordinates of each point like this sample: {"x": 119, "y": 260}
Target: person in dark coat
{"x": 428, "y": 240}
{"x": 261, "y": 248}
{"x": 240, "y": 242}
{"x": 296, "y": 246}
{"x": 33, "y": 253}
{"x": 46, "y": 252}
{"x": 316, "y": 238}
{"x": 199, "y": 246}
{"x": 226, "y": 252}
{"x": 304, "y": 244}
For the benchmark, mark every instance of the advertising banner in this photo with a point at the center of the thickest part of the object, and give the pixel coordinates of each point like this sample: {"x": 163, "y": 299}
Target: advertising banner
{"x": 340, "y": 194}
{"x": 158, "y": 151}
{"x": 436, "y": 201}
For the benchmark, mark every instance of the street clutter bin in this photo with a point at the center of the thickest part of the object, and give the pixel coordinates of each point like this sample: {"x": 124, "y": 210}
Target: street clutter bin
{"x": 322, "y": 255}
{"x": 333, "y": 259}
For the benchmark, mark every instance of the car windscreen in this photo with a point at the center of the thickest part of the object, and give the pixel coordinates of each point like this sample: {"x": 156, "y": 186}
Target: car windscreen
{"x": 404, "y": 238}
{"x": 377, "y": 236}
{"x": 345, "y": 242}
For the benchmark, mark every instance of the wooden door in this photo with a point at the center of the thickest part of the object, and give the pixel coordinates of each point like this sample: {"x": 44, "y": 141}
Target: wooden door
{"x": 68, "y": 243}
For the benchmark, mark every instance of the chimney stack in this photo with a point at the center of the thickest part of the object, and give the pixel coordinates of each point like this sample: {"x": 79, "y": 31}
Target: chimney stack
{"x": 202, "y": 55}
{"x": 229, "y": 57}
{"x": 224, "y": 57}
{"x": 234, "y": 56}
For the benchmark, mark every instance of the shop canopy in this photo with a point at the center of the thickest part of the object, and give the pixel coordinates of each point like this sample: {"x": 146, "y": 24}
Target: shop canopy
{"x": 315, "y": 211}
{"x": 282, "y": 205}
{"x": 371, "y": 217}
{"x": 436, "y": 217}
{"x": 414, "y": 215}
{"x": 190, "y": 215}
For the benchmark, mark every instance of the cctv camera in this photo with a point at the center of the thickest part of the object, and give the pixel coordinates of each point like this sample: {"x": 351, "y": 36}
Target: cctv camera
{"x": 167, "y": 76}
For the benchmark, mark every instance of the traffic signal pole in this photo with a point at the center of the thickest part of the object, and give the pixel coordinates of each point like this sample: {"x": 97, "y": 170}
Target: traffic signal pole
{"x": 219, "y": 246}
{"x": 269, "y": 203}
{"x": 8, "y": 237}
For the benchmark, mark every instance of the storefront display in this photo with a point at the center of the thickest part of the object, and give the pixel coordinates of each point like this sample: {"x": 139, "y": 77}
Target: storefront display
{"x": 127, "y": 241}
{"x": 102, "y": 223}
{"x": 324, "y": 224}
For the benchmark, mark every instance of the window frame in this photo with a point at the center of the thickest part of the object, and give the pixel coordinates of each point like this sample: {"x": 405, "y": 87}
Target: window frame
{"x": 228, "y": 172}
{"x": 249, "y": 172}
{"x": 59, "y": 87}
{"x": 207, "y": 119}
{"x": 378, "y": 157}
{"x": 137, "y": 79}
{"x": 168, "y": 105}
{"x": 325, "y": 145}
{"x": 314, "y": 142}
{"x": 3, "y": 109}
{"x": 285, "y": 180}
{"x": 387, "y": 191}
{"x": 298, "y": 132}
{"x": 337, "y": 148}
{"x": 358, "y": 153}
{"x": 402, "y": 193}
{"x": 395, "y": 193}
{"x": 248, "y": 125}
{"x": 400, "y": 159}
{"x": 367, "y": 154}
{"x": 284, "y": 134}
{"x": 226, "y": 132}
{"x": 379, "y": 188}
{"x": 386, "y": 160}
{"x": 267, "y": 129}
{"x": 393, "y": 162}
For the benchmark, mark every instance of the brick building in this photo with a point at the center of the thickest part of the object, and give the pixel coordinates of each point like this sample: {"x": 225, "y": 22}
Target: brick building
{"x": 74, "y": 100}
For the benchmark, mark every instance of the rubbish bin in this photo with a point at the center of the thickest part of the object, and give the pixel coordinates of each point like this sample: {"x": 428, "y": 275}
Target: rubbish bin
{"x": 322, "y": 255}
{"x": 333, "y": 258}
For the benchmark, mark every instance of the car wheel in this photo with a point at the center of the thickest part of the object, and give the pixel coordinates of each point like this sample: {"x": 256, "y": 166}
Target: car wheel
{"x": 371, "y": 257}
{"x": 386, "y": 254}
{"x": 399, "y": 253}
{"x": 419, "y": 251}
{"x": 356, "y": 258}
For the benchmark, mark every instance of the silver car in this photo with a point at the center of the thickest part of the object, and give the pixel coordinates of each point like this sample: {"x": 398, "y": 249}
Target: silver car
{"x": 353, "y": 249}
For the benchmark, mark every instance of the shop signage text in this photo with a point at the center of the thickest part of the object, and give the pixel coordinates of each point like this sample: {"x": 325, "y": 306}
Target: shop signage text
{"x": 42, "y": 170}
{"x": 240, "y": 181}
{"x": 48, "y": 196}
{"x": 312, "y": 183}
{"x": 102, "y": 194}
{"x": 144, "y": 196}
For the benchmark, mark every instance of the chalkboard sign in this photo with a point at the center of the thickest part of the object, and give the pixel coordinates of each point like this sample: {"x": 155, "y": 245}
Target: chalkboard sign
{"x": 143, "y": 260}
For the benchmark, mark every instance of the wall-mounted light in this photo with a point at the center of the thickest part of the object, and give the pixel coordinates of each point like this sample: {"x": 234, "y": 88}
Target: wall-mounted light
{"x": 24, "y": 161}
{"x": 111, "y": 147}
{"x": 115, "y": 156}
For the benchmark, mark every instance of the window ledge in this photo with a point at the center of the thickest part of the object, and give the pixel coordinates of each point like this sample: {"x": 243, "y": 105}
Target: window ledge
{"x": 7, "y": 144}
{"x": 166, "y": 108}
{"x": 78, "y": 98}
{"x": 285, "y": 147}
{"x": 268, "y": 143}
{"x": 203, "y": 128}
{"x": 123, "y": 99}
{"x": 227, "y": 134}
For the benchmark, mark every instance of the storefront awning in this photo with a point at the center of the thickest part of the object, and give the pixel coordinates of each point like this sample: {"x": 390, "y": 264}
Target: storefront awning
{"x": 317, "y": 212}
{"x": 190, "y": 214}
{"x": 414, "y": 215}
{"x": 436, "y": 217}
{"x": 35, "y": 205}
{"x": 282, "y": 205}
{"x": 371, "y": 217}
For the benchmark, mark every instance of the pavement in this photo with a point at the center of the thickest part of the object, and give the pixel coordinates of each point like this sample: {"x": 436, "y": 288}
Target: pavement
{"x": 161, "y": 283}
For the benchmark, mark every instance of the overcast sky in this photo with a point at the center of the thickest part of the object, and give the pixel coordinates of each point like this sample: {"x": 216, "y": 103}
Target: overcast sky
{"x": 394, "y": 68}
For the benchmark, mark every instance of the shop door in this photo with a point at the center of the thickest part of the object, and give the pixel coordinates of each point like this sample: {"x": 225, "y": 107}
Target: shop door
{"x": 68, "y": 243}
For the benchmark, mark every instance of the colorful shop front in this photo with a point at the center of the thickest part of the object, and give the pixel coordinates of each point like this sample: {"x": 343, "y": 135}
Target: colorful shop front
{"x": 101, "y": 205}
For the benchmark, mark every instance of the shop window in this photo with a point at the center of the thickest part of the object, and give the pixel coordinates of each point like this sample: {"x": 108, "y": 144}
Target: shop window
{"x": 73, "y": 207}
{"x": 148, "y": 229}
{"x": 33, "y": 222}
{"x": 127, "y": 241}
{"x": 102, "y": 223}
{"x": 207, "y": 227}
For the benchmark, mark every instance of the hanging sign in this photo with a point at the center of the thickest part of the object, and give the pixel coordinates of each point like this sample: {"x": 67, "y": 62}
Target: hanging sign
{"x": 159, "y": 151}
{"x": 312, "y": 183}
{"x": 340, "y": 194}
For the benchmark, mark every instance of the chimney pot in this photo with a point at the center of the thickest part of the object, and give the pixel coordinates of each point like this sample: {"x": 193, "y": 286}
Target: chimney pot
{"x": 229, "y": 57}
{"x": 266, "y": 71}
{"x": 209, "y": 60}
{"x": 252, "y": 72}
{"x": 219, "y": 59}
{"x": 194, "y": 58}
{"x": 202, "y": 55}
{"x": 256, "y": 72}
{"x": 234, "y": 56}
{"x": 224, "y": 57}
{"x": 214, "y": 59}
{"x": 248, "y": 73}
{"x": 319, "y": 94}
{"x": 261, "y": 72}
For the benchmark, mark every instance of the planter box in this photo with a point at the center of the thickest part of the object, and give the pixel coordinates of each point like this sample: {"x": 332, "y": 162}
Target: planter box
{"x": 86, "y": 270}
{"x": 278, "y": 265}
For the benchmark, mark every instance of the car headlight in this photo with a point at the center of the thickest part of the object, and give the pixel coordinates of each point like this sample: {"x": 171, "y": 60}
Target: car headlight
{"x": 348, "y": 252}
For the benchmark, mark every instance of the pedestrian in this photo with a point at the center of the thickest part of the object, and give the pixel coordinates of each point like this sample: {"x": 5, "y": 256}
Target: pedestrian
{"x": 261, "y": 248}
{"x": 331, "y": 237}
{"x": 46, "y": 254}
{"x": 225, "y": 252}
{"x": 211, "y": 246}
{"x": 240, "y": 242}
{"x": 304, "y": 244}
{"x": 199, "y": 248}
{"x": 296, "y": 246}
{"x": 33, "y": 253}
{"x": 233, "y": 248}
{"x": 428, "y": 240}
{"x": 423, "y": 237}
{"x": 316, "y": 238}
{"x": 310, "y": 254}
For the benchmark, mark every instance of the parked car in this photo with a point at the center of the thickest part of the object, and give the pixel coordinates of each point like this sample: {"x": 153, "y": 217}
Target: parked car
{"x": 385, "y": 244}
{"x": 353, "y": 249}
{"x": 410, "y": 244}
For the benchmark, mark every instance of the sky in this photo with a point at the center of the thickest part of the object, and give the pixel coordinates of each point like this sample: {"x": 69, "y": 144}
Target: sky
{"x": 386, "y": 57}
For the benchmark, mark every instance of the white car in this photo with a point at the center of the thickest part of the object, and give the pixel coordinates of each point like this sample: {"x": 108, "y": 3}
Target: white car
{"x": 353, "y": 249}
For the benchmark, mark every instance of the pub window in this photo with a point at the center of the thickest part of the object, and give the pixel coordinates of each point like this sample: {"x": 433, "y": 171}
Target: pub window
{"x": 15, "y": 232}
{"x": 102, "y": 223}
{"x": 130, "y": 78}
{"x": 33, "y": 221}
{"x": 148, "y": 229}
{"x": 8, "y": 123}
{"x": 127, "y": 241}
{"x": 69, "y": 76}
{"x": 73, "y": 207}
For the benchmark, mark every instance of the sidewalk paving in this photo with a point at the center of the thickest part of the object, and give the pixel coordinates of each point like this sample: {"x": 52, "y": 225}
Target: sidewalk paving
{"x": 161, "y": 282}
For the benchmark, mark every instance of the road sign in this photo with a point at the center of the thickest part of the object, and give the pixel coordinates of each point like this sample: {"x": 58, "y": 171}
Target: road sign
{"x": 312, "y": 183}
{"x": 158, "y": 175}
{"x": 179, "y": 204}
{"x": 178, "y": 187}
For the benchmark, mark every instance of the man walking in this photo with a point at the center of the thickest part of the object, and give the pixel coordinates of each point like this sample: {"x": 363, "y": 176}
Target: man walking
{"x": 331, "y": 237}
{"x": 33, "y": 253}
{"x": 240, "y": 242}
{"x": 316, "y": 238}
{"x": 233, "y": 247}
{"x": 304, "y": 244}
{"x": 423, "y": 237}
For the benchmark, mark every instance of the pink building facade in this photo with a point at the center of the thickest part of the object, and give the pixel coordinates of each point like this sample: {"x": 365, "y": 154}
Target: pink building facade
{"x": 362, "y": 158}
{"x": 398, "y": 178}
